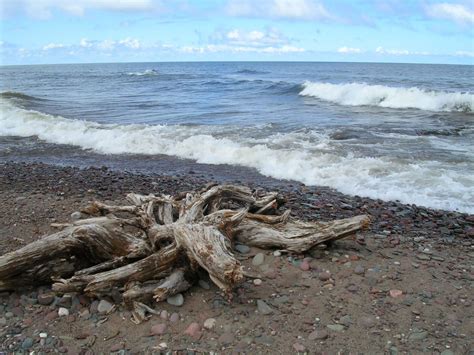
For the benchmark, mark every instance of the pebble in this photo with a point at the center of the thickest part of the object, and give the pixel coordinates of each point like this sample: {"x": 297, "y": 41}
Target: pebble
{"x": 242, "y": 249}
{"x": 158, "y": 329}
{"x": 277, "y": 253}
{"x": 204, "y": 284}
{"x": 324, "y": 276}
{"x": 418, "y": 335}
{"x": 359, "y": 270}
{"x": 318, "y": 335}
{"x": 76, "y": 215}
{"x": 264, "y": 308}
{"x": 3, "y": 321}
{"x": 43, "y": 335}
{"x": 226, "y": 339}
{"x": 258, "y": 259}
{"x": 176, "y": 300}
{"x": 336, "y": 327}
{"x": 209, "y": 323}
{"x": 104, "y": 307}
{"x": 346, "y": 320}
{"x": 27, "y": 343}
{"x": 63, "y": 312}
{"x": 447, "y": 352}
{"x": 257, "y": 282}
{"x": 367, "y": 321}
{"x": 194, "y": 331}
{"x": 162, "y": 346}
{"x": 396, "y": 293}
{"x": 305, "y": 265}
{"x": 45, "y": 299}
{"x": 423, "y": 257}
{"x": 174, "y": 317}
{"x": 299, "y": 347}
{"x": 164, "y": 315}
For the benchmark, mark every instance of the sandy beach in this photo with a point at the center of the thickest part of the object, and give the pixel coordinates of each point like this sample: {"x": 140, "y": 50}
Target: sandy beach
{"x": 402, "y": 286}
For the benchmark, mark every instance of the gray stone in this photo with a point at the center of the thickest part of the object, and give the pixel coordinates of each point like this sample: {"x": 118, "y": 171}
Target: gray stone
{"x": 418, "y": 335}
{"x": 242, "y": 249}
{"x": 423, "y": 257}
{"x": 346, "y": 320}
{"x": 281, "y": 300}
{"x": 359, "y": 270}
{"x": 27, "y": 343}
{"x": 46, "y": 299}
{"x": 3, "y": 321}
{"x": 336, "y": 327}
{"x": 264, "y": 339}
{"x": 226, "y": 339}
{"x": 318, "y": 335}
{"x": 63, "y": 312}
{"x": 9, "y": 315}
{"x": 204, "y": 284}
{"x": 447, "y": 352}
{"x": 258, "y": 259}
{"x": 76, "y": 215}
{"x": 104, "y": 307}
{"x": 367, "y": 321}
{"x": 176, "y": 300}
{"x": 264, "y": 308}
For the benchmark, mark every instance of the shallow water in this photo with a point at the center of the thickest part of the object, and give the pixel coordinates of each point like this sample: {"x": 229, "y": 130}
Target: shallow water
{"x": 390, "y": 131}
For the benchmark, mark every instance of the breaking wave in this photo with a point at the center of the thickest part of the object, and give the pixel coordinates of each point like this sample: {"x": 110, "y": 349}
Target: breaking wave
{"x": 426, "y": 183}
{"x": 144, "y": 73}
{"x": 358, "y": 94}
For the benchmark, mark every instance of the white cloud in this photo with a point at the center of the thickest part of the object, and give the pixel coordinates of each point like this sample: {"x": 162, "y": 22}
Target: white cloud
{"x": 454, "y": 12}
{"x": 253, "y": 38}
{"x": 106, "y": 45}
{"x": 212, "y": 48}
{"x": 289, "y": 9}
{"x": 43, "y": 9}
{"x": 464, "y": 54}
{"x": 349, "y": 50}
{"x": 381, "y": 50}
{"x": 85, "y": 43}
{"x": 132, "y": 43}
{"x": 53, "y": 46}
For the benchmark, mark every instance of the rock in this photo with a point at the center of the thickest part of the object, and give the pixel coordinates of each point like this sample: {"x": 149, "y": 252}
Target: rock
{"x": 242, "y": 249}
{"x": 257, "y": 282}
{"x": 418, "y": 335}
{"x": 162, "y": 346}
{"x": 367, "y": 321}
{"x": 324, "y": 276}
{"x": 359, "y": 270}
{"x": 318, "y": 335}
{"x": 43, "y": 335}
{"x": 396, "y": 293}
{"x": 176, "y": 300}
{"x": 3, "y": 321}
{"x": 45, "y": 299}
{"x": 209, "y": 323}
{"x": 164, "y": 315}
{"x": 277, "y": 253}
{"x": 194, "y": 331}
{"x": 51, "y": 316}
{"x": 63, "y": 312}
{"x": 204, "y": 284}
{"x": 423, "y": 257}
{"x": 447, "y": 352}
{"x": 299, "y": 347}
{"x": 65, "y": 301}
{"x": 104, "y": 307}
{"x": 258, "y": 259}
{"x": 174, "y": 317}
{"x": 336, "y": 327}
{"x": 264, "y": 308}
{"x": 116, "y": 347}
{"x": 158, "y": 329}
{"x": 226, "y": 339}
{"x": 345, "y": 320}
{"x": 76, "y": 215}
{"x": 9, "y": 315}
{"x": 305, "y": 266}
{"x": 27, "y": 343}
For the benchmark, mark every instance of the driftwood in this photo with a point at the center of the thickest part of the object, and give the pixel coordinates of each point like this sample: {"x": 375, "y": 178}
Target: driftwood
{"x": 153, "y": 248}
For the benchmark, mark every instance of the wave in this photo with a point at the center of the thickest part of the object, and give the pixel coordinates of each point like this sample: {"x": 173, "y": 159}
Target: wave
{"x": 250, "y": 71}
{"x": 357, "y": 94}
{"x": 18, "y": 96}
{"x": 148, "y": 72}
{"x": 293, "y": 156}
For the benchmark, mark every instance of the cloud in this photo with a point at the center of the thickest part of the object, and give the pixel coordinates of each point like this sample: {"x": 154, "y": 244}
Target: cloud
{"x": 212, "y": 48}
{"x": 399, "y": 52}
{"x": 349, "y": 50}
{"x": 464, "y": 54}
{"x": 43, "y": 9}
{"x": 453, "y": 12}
{"x": 53, "y": 46}
{"x": 253, "y": 38}
{"x": 287, "y": 9}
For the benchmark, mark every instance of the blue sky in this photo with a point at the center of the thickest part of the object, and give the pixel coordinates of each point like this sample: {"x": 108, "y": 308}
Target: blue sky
{"x": 85, "y": 31}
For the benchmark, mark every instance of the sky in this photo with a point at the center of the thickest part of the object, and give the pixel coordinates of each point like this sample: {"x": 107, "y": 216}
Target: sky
{"x": 89, "y": 31}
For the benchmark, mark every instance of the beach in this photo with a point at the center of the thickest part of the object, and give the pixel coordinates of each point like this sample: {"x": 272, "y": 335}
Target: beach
{"x": 402, "y": 285}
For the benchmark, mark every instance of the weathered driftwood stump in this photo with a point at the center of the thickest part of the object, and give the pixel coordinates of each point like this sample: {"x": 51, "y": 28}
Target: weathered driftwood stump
{"x": 153, "y": 248}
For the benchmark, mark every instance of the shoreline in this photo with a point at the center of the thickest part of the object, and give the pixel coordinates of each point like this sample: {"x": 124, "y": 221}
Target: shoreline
{"x": 402, "y": 285}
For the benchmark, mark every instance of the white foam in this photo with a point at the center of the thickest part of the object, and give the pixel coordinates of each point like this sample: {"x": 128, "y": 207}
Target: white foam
{"x": 425, "y": 183}
{"x": 146, "y": 72}
{"x": 357, "y": 94}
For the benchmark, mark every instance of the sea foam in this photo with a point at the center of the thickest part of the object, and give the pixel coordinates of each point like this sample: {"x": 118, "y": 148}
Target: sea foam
{"x": 359, "y": 94}
{"x": 426, "y": 183}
